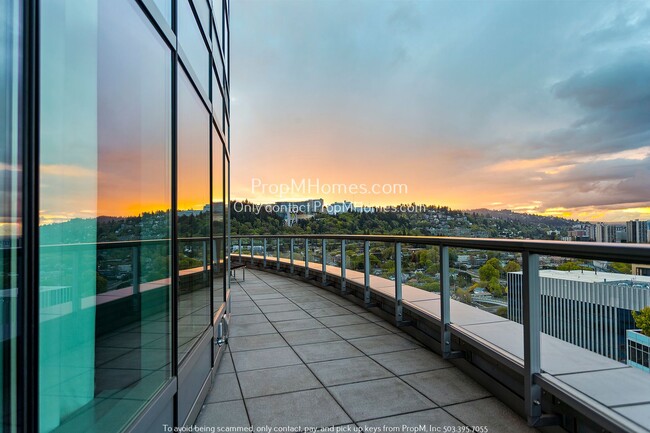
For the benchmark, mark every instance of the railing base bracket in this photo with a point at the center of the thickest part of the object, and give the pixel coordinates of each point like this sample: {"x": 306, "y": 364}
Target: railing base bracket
{"x": 547, "y": 420}
{"x": 456, "y": 354}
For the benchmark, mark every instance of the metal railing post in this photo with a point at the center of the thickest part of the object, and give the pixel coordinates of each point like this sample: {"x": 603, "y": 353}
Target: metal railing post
{"x": 291, "y": 255}
{"x": 135, "y": 269}
{"x": 240, "y": 260}
{"x": 264, "y": 256}
{"x": 306, "y": 258}
{"x": 343, "y": 264}
{"x": 445, "y": 335}
{"x": 532, "y": 334}
{"x": 366, "y": 273}
{"x": 324, "y": 261}
{"x": 205, "y": 255}
{"x": 277, "y": 254}
{"x": 398, "y": 283}
{"x": 252, "y": 245}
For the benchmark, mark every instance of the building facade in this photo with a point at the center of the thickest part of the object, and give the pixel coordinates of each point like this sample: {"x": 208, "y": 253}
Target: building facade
{"x": 638, "y": 350}
{"x": 588, "y": 309}
{"x": 637, "y": 232}
{"x": 114, "y": 210}
{"x": 610, "y": 233}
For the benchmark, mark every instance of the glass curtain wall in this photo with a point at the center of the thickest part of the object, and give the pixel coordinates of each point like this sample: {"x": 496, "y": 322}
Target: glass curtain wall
{"x": 193, "y": 215}
{"x": 130, "y": 152}
{"x": 10, "y": 207}
{"x": 105, "y": 189}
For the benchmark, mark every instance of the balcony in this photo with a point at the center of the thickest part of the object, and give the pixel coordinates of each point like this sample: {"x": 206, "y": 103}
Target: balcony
{"x": 321, "y": 348}
{"x": 301, "y": 356}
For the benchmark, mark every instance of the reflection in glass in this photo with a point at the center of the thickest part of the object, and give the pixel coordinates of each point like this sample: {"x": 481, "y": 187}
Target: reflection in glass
{"x": 217, "y": 12}
{"x": 193, "y": 216}
{"x": 165, "y": 6}
{"x": 10, "y": 207}
{"x": 192, "y": 43}
{"x": 105, "y": 215}
{"x": 226, "y": 214}
{"x": 217, "y": 102}
{"x": 203, "y": 12}
{"x": 217, "y": 219}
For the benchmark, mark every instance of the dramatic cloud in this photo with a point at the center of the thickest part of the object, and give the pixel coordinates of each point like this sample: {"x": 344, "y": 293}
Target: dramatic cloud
{"x": 539, "y": 106}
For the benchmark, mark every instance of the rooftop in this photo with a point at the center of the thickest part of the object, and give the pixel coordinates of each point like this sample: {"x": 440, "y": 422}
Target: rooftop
{"x": 591, "y": 276}
{"x": 299, "y": 355}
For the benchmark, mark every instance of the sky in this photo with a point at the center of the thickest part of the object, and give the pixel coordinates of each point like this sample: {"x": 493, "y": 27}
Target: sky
{"x": 532, "y": 106}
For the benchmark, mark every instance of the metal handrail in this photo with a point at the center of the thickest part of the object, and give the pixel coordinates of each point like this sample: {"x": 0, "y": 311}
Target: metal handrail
{"x": 628, "y": 253}
{"x": 530, "y": 250}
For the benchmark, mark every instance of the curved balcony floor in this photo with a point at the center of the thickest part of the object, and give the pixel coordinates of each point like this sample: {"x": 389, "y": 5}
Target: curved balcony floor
{"x": 303, "y": 357}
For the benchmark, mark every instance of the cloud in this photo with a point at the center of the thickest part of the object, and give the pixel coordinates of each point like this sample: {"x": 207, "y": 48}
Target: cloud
{"x": 614, "y": 106}
{"x": 66, "y": 170}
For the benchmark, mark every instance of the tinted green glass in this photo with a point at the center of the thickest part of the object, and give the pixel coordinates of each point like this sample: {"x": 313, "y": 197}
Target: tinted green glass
{"x": 105, "y": 198}
{"x": 193, "y": 216}
{"x": 10, "y": 208}
{"x": 218, "y": 214}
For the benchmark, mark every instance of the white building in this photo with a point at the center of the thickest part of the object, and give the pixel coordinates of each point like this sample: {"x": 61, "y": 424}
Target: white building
{"x": 589, "y": 309}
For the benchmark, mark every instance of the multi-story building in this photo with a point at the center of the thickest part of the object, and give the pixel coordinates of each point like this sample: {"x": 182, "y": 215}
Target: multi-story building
{"x": 637, "y": 231}
{"x": 115, "y": 117}
{"x": 610, "y": 233}
{"x": 590, "y": 309}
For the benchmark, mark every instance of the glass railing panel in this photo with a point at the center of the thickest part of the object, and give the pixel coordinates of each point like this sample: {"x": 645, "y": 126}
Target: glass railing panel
{"x": 420, "y": 272}
{"x": 588, "y": 307}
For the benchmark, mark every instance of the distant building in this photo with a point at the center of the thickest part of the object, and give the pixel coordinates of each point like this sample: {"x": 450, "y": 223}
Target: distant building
{"x": 637, "y": 231}
{"x": 340, "y": 207}
{"x": 610, "y": 233}
{"x": 292, "y": 211}
{"x": 641, "y": 270}
{"x": 638, "y": 350}
{"x": 589, "y": 309}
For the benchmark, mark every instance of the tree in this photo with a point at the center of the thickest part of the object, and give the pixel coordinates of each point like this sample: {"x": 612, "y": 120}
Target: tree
{"x": 642, "y": 320}
{"x": 571, "y": 266}
{"x": 623, "y": 268}
{"x": 488, "y": 271}
{"x": 512, "y": 266}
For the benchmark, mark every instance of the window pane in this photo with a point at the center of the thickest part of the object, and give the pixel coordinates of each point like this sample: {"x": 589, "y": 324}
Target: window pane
{"x": 217, "y": 102}
{"x": 226, "y": 49}
{"x": 193, "y": 215}
{"x": 217, "y": 218}
{"x": 10, "y": 207}
{"x": 192, "y": 43}
{"x": 105, "y": 214}
{"x": 217, "y": 12}
{"x": 203, "y": 11}
{"x": 226, "y": 213}
{"x": 165, "y": 7}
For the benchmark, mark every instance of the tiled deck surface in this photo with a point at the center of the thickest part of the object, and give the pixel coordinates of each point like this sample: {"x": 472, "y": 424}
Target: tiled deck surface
{"x": 303, "y": 357}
